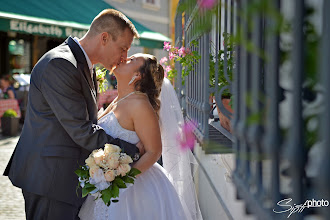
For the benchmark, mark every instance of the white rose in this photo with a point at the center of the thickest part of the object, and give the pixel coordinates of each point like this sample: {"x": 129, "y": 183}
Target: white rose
{"x": 94, "y": 171}
{"x": 110, "y": 175}
{"x": 97, "y": 179}
{"x": 104, "y": 164}
{"x": 90, "y": 161}
{"x": 123, "y": 169}
{"x": 112, "y": 160}
{"x": 110, "y": 148}
{"x": 125, "y": 159}
{"x": 98, "y": 156}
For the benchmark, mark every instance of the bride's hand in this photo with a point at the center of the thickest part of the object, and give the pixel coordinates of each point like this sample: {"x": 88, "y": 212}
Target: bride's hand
{"x": 141, "y": 148}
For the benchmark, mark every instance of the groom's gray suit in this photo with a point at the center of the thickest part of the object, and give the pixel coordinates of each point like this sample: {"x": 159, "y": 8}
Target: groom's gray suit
{"x": 60, "y": 128}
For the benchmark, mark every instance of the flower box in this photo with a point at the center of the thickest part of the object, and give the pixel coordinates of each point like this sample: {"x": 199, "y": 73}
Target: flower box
{"x": 10, "y": 125}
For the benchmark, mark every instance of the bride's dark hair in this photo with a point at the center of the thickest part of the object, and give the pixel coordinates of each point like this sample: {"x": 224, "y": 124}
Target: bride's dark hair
{"x": 152, "y": 75}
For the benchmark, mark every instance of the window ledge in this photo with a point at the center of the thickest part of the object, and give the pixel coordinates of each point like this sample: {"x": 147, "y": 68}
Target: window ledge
{"x": 219, "y": 143}
{"x": 153, "y": 7}
{"x": 217, "y": 126}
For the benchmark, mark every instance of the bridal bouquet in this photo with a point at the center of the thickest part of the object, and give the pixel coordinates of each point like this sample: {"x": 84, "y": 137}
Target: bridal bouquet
{"x": 105, "y": 172}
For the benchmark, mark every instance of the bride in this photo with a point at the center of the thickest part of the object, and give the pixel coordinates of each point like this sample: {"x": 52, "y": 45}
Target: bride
{"x": 138, "y": 115}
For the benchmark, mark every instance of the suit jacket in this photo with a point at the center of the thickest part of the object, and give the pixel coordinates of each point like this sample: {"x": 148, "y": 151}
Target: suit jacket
{"x": 60, "y": 128}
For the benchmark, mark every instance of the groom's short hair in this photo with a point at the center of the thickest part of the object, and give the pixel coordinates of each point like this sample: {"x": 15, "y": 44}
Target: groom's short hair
{"x": 113, "y": 22}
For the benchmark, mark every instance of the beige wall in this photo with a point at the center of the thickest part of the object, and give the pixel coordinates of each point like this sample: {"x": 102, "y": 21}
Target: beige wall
{"x": 218, "y": 167}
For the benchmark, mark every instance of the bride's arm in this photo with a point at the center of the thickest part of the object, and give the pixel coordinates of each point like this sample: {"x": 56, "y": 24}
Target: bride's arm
{"x": 147, "y": 128}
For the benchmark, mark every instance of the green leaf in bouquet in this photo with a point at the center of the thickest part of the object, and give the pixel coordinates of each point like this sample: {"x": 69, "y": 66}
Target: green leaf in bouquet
{"x": 106, "y": 196}
{"x": 82, "y": 173}
{"x": 85, "y": 174}
{"x": 87, "y": 189}
{"x": 119, "y": 182}
{"x": 115, "y": 190}
{"x": 85, "y": 192}
{"x": 133, "y": 172}
{"x": 79, "y": 172}
{"x": 88, "y": 185}
{"x": 77, "y": 188}
{"x": 128, "y": 179}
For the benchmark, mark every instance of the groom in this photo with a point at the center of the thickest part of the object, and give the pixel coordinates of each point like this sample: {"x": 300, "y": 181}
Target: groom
{"x": 60, "y": 128}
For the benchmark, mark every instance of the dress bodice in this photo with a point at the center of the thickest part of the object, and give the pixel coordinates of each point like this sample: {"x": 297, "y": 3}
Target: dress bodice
{"x": 112, "y": 127}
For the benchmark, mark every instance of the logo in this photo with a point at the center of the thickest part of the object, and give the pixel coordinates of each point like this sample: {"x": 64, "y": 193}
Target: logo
{"x": 300, "y": 207}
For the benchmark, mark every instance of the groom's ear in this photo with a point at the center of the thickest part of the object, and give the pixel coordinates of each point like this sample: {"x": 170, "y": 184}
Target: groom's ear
{"x": 105, "y": 38}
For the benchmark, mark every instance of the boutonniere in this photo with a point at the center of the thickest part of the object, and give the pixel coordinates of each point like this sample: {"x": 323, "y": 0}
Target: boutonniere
{"x": 100, "y": 78}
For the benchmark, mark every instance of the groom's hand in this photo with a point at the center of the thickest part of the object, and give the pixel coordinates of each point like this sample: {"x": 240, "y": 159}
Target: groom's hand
{"x": 128, "y": 148}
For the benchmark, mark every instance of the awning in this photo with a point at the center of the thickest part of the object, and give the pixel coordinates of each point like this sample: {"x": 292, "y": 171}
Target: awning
{"x": 62, "y": 18}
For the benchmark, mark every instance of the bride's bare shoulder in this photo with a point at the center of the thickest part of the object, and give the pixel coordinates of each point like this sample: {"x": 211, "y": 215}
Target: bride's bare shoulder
{"x": 140, "y": 105}
{"x": 139, "y": 99}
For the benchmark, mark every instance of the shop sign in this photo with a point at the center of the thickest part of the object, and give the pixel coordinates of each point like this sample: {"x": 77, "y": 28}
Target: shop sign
{"x": 44, "y": 29}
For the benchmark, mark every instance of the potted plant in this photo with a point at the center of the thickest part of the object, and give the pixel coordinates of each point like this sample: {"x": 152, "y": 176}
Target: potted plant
{"x": 224, "y": 82}
{"x": 9, "y": 122}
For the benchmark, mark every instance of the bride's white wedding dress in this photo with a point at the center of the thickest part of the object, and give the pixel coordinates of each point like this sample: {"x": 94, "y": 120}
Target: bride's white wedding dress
{"x": 152, "y": 196}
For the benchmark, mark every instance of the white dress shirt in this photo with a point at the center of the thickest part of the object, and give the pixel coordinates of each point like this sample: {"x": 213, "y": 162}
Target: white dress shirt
{"x": 90, "y": 65}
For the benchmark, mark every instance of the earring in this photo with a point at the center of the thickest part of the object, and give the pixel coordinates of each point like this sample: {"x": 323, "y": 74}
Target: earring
{"x": 132, "y": 80}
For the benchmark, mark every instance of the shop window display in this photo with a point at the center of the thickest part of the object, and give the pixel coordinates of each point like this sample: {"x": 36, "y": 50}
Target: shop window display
{"x": 19, "y": 56}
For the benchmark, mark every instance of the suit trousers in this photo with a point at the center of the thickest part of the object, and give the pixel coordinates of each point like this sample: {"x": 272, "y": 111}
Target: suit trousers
{"x": 43, "y": 208}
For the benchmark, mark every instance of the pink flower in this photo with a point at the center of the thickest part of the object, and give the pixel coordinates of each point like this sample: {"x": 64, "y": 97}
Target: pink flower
{"x": 171, "y": 56}
{"x": 182, "y": 52}
{"x": 167, "y": 69}
{"x": 187, "y": 51}
{"x": 207, "y": 4}
{"x": 167, "y": 46}
{"x": 186, "y": 138}
{"x": 163, "y": 60}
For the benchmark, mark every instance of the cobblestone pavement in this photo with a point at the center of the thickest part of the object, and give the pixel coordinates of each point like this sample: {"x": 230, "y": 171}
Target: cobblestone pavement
{"x": 11, "y": 198}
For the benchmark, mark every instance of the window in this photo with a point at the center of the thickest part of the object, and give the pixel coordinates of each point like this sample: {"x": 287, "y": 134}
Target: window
{"x": 151, "y": 4}
{"x": 19, "y": 56}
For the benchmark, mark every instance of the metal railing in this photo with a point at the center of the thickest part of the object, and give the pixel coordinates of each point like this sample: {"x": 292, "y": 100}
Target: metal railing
{"x": 274, "y": 153}
{"x": 195, "y": 102}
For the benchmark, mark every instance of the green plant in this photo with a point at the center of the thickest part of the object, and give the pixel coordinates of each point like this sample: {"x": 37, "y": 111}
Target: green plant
{"x": 184, "y": 56}
{"x": 100, "y": 77}
{"x": 220, "y": 60}
{"x": 9, "y": 113}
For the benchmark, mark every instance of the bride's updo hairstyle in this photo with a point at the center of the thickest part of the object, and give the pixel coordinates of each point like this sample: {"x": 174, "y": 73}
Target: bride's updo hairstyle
{"x": 152, "y": 75}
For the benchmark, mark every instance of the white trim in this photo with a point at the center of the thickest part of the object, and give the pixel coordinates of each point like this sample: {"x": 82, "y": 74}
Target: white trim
{"x": 121, "y": 1}
{"x": 43, "y": 20}
{"x": 144, "y": 16}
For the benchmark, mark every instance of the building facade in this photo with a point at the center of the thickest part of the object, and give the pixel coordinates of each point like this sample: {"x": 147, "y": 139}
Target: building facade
{"x": 154, "y": 14}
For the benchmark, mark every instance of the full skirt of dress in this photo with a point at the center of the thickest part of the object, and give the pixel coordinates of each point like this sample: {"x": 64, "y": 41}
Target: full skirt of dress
{"x": 152, "y": 196}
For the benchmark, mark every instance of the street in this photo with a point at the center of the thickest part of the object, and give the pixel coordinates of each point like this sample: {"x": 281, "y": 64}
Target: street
{"x": 11, "y": 199}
